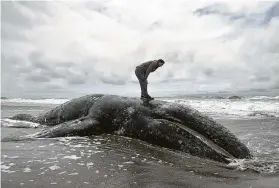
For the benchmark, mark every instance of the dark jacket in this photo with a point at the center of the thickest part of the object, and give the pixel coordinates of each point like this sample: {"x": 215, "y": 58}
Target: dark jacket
{"x": 147, "y": 67}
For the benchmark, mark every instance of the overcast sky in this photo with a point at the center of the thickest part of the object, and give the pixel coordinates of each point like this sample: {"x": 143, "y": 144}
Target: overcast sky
{"x": 65, "y": 49}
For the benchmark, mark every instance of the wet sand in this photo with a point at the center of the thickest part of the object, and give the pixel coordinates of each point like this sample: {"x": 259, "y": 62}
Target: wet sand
{"x": 110, "y": 161}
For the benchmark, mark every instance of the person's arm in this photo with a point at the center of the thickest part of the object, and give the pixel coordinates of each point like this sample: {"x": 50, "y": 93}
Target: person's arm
{"x": 150, "y": 68}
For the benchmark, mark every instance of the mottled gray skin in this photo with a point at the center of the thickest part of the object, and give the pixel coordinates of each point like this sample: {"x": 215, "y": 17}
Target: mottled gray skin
{"x": 154, "y": 123}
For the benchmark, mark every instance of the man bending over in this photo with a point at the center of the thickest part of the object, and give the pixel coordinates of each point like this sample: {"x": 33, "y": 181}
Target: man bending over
{"x": 142, "y": 72}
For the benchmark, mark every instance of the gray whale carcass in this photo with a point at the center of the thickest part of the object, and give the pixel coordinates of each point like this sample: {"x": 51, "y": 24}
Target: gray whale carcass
{"x": 160, "y": 123}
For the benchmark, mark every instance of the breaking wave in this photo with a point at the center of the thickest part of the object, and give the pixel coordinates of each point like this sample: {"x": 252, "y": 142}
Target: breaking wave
{"x": 217, "y": 107}
{"x": 38, "y": 101}
{"x": 258, "y": 165}
{"x": 264, "y": 98}
{"x": 233, "y": 108}
{"x": 18, "y": 123}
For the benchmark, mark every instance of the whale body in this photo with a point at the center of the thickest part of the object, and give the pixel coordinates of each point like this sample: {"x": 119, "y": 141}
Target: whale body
{"x": 170, "y": 125}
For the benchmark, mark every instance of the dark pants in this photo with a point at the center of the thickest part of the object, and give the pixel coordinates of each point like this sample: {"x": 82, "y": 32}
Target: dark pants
{"x": 143, "y": 82}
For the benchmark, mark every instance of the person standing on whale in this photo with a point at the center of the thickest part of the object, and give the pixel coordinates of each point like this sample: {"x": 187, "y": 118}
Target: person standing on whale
{"x": 142, "y": 72}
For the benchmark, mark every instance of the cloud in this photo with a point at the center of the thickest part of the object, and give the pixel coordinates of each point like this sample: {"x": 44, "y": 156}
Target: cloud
{"x": 94, "y": 46}
{"x": 37, "y": 78}
{"x": 208, "y": 72}
{"x": 15, "y": 14}
{"x": 275, "y": 86}
{"x": 272, "y": 12}
{"x": 261, "y": 78}
{"x": 255, "y": 16}
{"x": 76, "y": 81}
{"x": 112, "y": 81}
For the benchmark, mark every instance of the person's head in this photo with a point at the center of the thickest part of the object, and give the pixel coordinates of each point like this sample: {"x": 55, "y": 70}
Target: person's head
{"x": 160, "y": 62}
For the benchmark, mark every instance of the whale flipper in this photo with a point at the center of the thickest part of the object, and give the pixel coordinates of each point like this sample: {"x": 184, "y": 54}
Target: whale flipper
{"x": 80, "y": 127}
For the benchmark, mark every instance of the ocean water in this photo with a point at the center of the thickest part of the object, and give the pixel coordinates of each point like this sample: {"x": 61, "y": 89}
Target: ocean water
{"x": 122, "y": 162}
